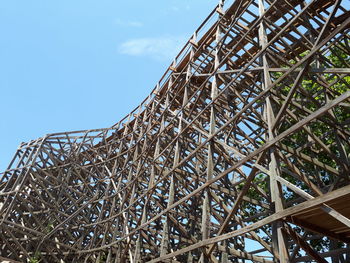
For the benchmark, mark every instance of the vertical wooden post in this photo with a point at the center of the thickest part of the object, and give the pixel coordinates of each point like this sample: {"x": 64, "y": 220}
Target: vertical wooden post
{"x": 171, "y": 195}
{"x": 165, "y": 240}
{"x": 206, "y": 213}
{"x": 278, "y": 240}
{"x": 138, "y": 246}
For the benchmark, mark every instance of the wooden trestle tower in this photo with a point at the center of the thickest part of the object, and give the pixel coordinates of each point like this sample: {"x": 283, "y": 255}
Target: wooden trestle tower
{"x": 241, "y": 153}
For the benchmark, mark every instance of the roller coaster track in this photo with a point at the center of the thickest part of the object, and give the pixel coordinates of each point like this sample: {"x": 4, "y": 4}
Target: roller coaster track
{"x": 241, "y": 153}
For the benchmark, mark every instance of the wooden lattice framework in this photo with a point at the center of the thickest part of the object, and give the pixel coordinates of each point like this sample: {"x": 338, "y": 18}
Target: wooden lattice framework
{"x": 239, "y": 154}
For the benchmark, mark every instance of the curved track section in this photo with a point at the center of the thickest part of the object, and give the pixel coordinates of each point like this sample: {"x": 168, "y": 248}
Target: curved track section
{"x": 239, "y": 154}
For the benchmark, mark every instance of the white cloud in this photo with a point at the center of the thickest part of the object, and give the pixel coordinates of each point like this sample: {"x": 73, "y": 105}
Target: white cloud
{"x": 159, "y": 48}
{"x": 175, "y": 8}
{"x": 129, "y": 23}
{"x": 183, "y": 7}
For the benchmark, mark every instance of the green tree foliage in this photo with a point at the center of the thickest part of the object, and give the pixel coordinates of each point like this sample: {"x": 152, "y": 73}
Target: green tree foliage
{"x": 315, "y": 90}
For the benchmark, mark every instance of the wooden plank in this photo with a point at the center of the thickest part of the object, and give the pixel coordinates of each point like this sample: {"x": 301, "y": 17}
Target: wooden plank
{"x": 345, "y": 191}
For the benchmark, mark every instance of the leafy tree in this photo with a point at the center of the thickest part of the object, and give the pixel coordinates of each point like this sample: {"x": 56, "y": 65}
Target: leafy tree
{"x": 314, "y": 91}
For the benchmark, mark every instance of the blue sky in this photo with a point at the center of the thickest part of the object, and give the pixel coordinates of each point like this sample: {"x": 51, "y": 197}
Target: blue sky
{"x": 83, "y": 64}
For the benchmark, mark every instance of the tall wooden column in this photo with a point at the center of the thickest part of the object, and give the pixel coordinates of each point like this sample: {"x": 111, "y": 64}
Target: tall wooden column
{"x": 279, "y": 245}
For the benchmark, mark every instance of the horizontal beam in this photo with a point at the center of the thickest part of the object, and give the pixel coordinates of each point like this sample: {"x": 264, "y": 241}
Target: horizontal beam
{"x": 318, "y": 201}
{"x": 258, "y": 69}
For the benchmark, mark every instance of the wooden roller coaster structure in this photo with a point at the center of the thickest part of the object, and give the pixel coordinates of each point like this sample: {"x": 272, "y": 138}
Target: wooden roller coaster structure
{"x": 241, "y": 153}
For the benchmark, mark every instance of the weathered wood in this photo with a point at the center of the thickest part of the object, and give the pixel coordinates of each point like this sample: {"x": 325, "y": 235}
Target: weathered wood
{"x": 246, "y": 130}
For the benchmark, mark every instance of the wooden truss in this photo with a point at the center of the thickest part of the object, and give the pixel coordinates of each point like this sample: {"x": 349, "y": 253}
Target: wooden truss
{"x": 241, "y": 153}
